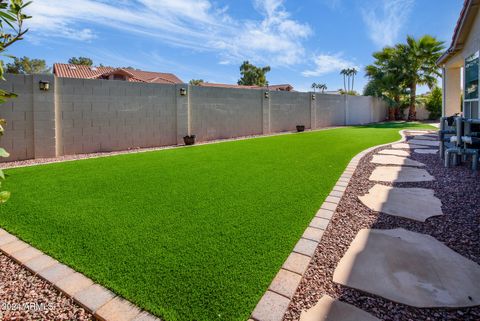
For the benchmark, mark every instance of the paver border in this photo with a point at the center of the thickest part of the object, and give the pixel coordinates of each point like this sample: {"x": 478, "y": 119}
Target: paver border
{"x": 302, "y": 254}
{"x": 88, "y": 294}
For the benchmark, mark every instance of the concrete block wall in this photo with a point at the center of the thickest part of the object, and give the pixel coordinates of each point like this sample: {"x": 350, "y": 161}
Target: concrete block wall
{"x": 18, "y": 139}
{"x": 84, "y": 116}
{"x": 104, "y": 115}
{"x": 330, "y": 110}
{"x": 289, "y": 109}
{"x": 218, "y": 113}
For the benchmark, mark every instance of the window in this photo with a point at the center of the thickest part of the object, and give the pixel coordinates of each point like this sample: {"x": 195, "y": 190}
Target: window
{"x": 471, "y": 77}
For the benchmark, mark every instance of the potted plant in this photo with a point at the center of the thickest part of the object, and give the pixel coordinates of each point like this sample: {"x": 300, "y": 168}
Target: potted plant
{"x": 189, "y": 139}
{"x": 300, "y": 128}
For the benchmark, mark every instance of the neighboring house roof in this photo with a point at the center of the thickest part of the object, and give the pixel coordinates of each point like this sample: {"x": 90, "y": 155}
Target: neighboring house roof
{"x": 462, "y": 29}
{"x": 132, "y": 75}
{"x": 285, "y": 87}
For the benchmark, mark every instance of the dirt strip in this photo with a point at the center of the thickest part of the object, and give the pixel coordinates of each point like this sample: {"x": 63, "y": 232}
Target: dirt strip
{"x": 459, "y": 190}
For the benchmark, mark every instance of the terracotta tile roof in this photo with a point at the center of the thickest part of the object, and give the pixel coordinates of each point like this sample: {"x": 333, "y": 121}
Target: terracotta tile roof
{"x": 285, "y": 87}
{"x": 133, "y": 75}
{"x": 469, "y": 7}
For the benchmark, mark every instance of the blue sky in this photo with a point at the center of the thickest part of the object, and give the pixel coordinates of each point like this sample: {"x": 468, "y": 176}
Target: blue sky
{"x": 303, "y": 41}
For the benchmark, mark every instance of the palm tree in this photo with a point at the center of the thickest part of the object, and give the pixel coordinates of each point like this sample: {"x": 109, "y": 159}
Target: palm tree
{"x": 314, "y": 86}
{"x": 419, "y": 58}
{"x": 344, "y": 72}
{"x": 322, "y": 87}
{"x": 353, "y": 72}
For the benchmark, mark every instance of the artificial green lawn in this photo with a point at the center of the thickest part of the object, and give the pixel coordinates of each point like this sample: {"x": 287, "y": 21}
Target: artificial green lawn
{"x": 191, "y": 233}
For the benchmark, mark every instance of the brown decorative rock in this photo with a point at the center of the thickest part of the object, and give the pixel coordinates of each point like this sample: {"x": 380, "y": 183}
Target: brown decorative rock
{"x": 409, "y": 268}
{"x": 400, "y": 174}
{"x": 413, "y": 203}
{"x": 395, "y": 152}
{"x": 395, "y": 160}
{"x": 328, "y": 309}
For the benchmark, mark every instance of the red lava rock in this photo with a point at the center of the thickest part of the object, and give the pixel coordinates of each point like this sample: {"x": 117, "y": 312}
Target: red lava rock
{"x": 459, "y": 228}
{"x": 21, "y": 289}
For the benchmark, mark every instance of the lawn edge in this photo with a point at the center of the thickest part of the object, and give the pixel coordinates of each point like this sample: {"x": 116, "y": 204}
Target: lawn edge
{"x": 103, "y": 304}
{"x": 276, "y": 300}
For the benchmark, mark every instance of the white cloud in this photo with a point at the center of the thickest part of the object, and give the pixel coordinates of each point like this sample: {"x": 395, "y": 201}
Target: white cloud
{"x": 385, "y": 19}
{"x": 325, "y": 64}
{"x": 197, "y": 24}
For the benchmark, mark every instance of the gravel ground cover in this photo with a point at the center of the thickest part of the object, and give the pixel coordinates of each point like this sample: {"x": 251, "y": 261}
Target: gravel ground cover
{"x": 458, "y": 188}
{"x": 24, "y": 296}
{"x": 187, "y": 233}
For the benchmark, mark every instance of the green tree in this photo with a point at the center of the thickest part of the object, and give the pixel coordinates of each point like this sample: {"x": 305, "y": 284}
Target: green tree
{"x": 80, "y": 61}
{"x": 419, "y": 58}
{"x": 196, "y": 82}
{"x": 253, "y": 75}
{"x": 434, "y": 103}
{"x": 11, "y": 30}
{"x": 26, "y": 65}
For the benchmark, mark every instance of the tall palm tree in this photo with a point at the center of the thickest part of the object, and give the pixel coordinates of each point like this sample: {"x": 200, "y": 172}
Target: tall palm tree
{"x": 344, "y": 72}
{"x": 419, "y": 58}
{"x": 353, "y": 73}
{"x": 314, "y": 86}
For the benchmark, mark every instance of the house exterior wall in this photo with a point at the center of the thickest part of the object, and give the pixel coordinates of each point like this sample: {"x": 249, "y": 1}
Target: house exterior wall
{"x": 85, "y": 116}
{"x": 452, "y": 89}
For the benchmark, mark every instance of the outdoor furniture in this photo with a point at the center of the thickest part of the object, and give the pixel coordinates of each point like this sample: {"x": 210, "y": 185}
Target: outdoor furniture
{"x": 447, "y": 129}
{"x": 463, "y": 143}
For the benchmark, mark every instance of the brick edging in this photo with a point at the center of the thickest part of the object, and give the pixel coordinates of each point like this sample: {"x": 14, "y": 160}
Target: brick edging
{"x": 103, "y": 304}
{"x": 275, "y": 301}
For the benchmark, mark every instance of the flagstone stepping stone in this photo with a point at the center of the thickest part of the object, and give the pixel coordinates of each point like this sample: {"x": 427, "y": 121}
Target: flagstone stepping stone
{"x": 329, "y": 309}
{"x": 400, "y": 174}
{"x": 395, "y": 160}
{"x": 407, "y": 146}
{"x": 409, "y": 268}
{"x": 425, "y": 151}
{"x": 413, "y": 203}
{"x": 394, "y": 152}
{"x": 426, "y": 137}
{"x": 423, "y": 142}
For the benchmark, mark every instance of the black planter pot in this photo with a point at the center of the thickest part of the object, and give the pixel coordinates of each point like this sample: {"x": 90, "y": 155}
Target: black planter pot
{"x": 300, "y": 128}
{"x": 189, "y": 140}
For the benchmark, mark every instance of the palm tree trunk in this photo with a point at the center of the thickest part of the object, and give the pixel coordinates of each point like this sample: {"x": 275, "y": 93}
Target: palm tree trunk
{"x": 344, "y": 84}
{"x": 353, "y": 79}
{"x": 412, "y": 113}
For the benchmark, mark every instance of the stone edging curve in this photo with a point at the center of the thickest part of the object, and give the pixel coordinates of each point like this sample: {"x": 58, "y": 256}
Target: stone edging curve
{"x": 274, "y": 303}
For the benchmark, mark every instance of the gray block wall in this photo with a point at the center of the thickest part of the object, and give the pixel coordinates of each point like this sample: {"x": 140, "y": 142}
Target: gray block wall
{"x": 84, "y": 116}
